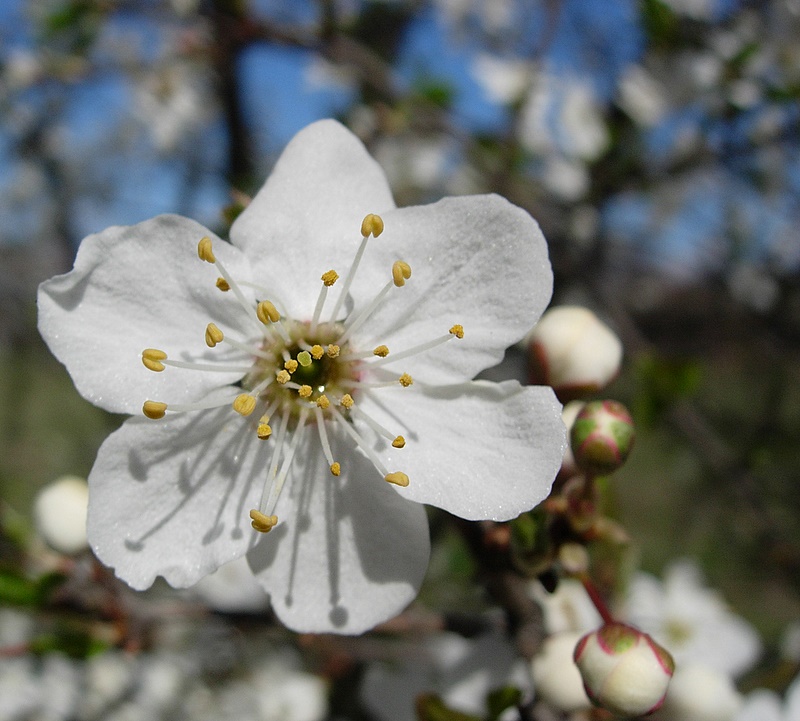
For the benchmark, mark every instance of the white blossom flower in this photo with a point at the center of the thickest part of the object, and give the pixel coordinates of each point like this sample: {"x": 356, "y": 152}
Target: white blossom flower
{"x": 60, "y": 514}
{"x": 765, "y": 705}
{"x": 691, "y": 621}
{"x": 461, "y": 671}
{"x": 556, "y": 678}
{"x": 170, "y": 493}
{"x": 699, "y": 693}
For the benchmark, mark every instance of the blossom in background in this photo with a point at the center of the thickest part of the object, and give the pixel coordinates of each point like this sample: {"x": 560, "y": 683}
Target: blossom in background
{"x": 460, "y": 671}
{"x": 691, "y": 621}
{"x": 764, "y": 705}
{"x": 276, "y": 388}
{"x": 556, "y": 678}
{"x": 699, "y": 693}
{"x": 60, "y": 514}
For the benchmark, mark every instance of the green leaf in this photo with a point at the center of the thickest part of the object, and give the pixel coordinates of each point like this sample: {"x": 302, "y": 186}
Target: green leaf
{"x": 430, "y": 707}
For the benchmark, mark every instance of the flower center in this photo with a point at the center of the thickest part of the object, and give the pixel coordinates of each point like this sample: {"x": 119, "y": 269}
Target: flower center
{"x": 300, "y": 374}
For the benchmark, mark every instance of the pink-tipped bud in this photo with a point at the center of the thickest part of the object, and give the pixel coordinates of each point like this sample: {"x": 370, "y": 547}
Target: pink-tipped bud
{"x": 574, "y": 352}
{"x": 623, "y": 669}
{"x": 602, "y": 436}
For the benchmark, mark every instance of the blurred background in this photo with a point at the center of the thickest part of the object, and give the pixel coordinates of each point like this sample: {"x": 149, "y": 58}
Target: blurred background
{"x": 656, "y": 142}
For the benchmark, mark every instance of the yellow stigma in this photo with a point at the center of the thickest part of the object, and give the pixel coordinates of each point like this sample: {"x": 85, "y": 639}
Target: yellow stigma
{"x": 457, "y": 330}
{"x": 347, "y": 401}
{"x": 381, "y": 351}
{"x": 304, "y": 358}
{"x": 154, "y": 409}
{"x": 262, "y": 523}
{"x": 317, "y": 351}
{"x": 204, "y": 251}
{"x": 399, "y": 442}
{"x": 213, "y": 335}
{"x": 323, "y": 401}
{"x": 152, "y": 357}
{"x": 291, "y": 365}
{"x": 401, "y": 272}
{"x": 267, "y": 313}
{"x": 398, "y": 478}
{"x": 336, "y": 469}
{"x": 332, "y": 351}
{"x": 244, "y": 404}
{"x": 304, "y": 391}
{"x": 223, "y": 285}
{"x": 405, "y": 380}
{"x": 264, "y": 430}
{"x": 282, "y": 377}
{"x": 330, "y": 278}
{"x": 372, "y": 224}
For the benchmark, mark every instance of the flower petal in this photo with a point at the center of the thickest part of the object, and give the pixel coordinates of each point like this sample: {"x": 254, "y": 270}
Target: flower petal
{"x": 171, "y": 497}
{"x": 350, "y": 553}
{"x": 479, "y": 450}
{"x": 478, "y": 261}
{"x": 307, "y": 218}
{"x": 137, "y": 287}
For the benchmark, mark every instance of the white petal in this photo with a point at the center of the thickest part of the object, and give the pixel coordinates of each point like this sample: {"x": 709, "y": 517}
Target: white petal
{"x": 478, "y": 261}
{"x": 306, "y": 219}
{"x": 137, "y": 287}
{"x": 347, "y": 553}
{"x": 172, "y": 497}
{"x": 479, "y": 450}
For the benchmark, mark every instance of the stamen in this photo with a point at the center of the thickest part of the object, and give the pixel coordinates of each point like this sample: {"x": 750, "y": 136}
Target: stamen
{"x": 291, "y": 365}
{"x": 282, "y": 377}
{"x": 267, "y": 313}
{"x": 213, "y": 335}
{"x": 223, "y": 285}
{"x": 456, "y": 331}
{"x": 332, "y": 351}
{"x": 336, "y": 469}
{"x": 398, "y": 478}
{"x": 399, "y": 442}
{"x": 371, "y": 225}
{"x": 244, "y": 404}
{"x": 323, "y": 402}
{"x": 261, "y": 522}
{"x": 382, "y": 351}
{"x": 405, "y": 380}
{"x": 328, "y": 279}
{"x": 264, "y": 430}
{"x": 250, "y": 350}
{"x": 366, "y": 312}
{"x": 154, "y": 409}
{"x": 377, "y": 427}
{"x": 401, "y": 272}
{"x": 295, "y": 441}
{"x": 317, "y": 351}
{"x": 152, "y": 357}
{"x": 205, "y": 252}
{"x": 305, "y": 391}
{"x": 214, "y": 367}
{"x": 360, "y": 442}
{"x": 346, "y": 401}
{"x": 276, "y": 457}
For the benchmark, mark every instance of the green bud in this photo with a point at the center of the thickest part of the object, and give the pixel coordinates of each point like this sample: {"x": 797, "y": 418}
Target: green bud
{"x": 602, "y": 437}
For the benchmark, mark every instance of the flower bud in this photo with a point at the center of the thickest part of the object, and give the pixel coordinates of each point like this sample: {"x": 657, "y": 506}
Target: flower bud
{"x": 623, "y": 669}
{"x": 602, "y": 436}
{"x": 60, "y": 514}
{"x": 574, "y": 352}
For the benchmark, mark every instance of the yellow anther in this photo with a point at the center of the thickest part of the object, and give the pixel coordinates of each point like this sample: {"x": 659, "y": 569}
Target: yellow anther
{"x": 398, "y": 478}
{"x": 204, "y": 251}
{"x": 213, "y": 335}
{"x": 304, "y": 391}
{"x": 336, "y": 469}
{"x": 264, "y": 430}
{"x": 223, "y": 285}
{"x": 262, "y": 523}
{"x": 304, "y": 358}
{"x": 291, "y": 365}
{"x": 401, "y": 272}
{"x": 282, "y": 377}
{"x": 330, "y": 278}
{"x": 347, "y": 401}
{"x": 399, "y": 442}
{"x": 154, "y": 409}
{"x": 267, "y": 313}
{"x": 457, "y": 330}
{"x": 317, "y": 351}
{"x": 244, "y": 404}
{"x": 405, "y": 380}
{"x": 152, "y": 357}
{"x": 323, "y": 401}
{"x": 381, "y": 351}
{"x": 372, "y": 224}
{"x": 332, "y": 351}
